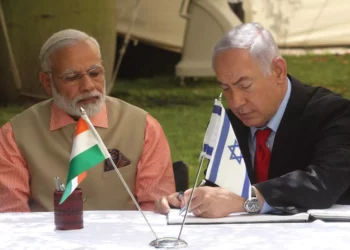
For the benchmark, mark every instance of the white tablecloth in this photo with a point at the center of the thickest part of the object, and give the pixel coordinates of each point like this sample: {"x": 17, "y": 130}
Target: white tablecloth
{"x": 128, "y": 230}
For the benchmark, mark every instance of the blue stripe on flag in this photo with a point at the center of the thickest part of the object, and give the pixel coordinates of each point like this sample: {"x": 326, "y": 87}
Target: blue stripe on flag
{"x": 246, "y": 186}
{"x": 207, "y": 149}
{"x": 217, "y": 110}
{"x": 219, "y": 149}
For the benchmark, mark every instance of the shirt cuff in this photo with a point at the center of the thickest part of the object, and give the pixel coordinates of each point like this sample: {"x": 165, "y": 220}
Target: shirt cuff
{"x": 267, "y": 209}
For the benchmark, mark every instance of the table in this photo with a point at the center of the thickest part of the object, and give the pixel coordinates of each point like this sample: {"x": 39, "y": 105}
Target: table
{"x": 128, "y": 230}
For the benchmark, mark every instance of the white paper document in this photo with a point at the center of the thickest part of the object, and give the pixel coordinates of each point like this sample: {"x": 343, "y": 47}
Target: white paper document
{"x": 336, "y": 212}
{"x": 173, "y": 218}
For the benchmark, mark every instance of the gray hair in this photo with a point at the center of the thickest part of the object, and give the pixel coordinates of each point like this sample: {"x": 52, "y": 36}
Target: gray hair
{"x": 254, "y": 37}
{"x": 60, "y": 40}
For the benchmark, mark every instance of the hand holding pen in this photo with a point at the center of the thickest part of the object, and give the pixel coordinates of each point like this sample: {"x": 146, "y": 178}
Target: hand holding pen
{"x": 174, "y": 200}
{"x": 180, "y": 197}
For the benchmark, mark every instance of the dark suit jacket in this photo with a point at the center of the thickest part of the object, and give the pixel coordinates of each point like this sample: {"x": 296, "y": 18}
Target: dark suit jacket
{"x": 310, "y": 159}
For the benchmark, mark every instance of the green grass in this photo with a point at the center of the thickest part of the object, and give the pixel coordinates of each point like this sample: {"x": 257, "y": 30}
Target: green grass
{"x": 7, "y": 112}
{"x": 184, "y": 111}
{"x": 332, "y": 72}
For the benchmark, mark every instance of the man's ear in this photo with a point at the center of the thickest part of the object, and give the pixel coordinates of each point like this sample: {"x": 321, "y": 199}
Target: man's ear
{"x": 280, "y": 69}
{"x": 45, "y": 81}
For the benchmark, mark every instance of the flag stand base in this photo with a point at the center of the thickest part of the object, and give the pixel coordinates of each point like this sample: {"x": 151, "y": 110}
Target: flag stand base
{"x": 168, "y": 242}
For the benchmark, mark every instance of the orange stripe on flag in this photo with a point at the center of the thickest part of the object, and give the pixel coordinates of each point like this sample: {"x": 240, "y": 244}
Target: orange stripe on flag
{"x": 81, "y": 177}
{"x": 81, "y": 127}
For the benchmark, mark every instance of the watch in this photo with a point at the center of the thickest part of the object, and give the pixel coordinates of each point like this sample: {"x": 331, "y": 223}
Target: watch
{"x": 252, "y": 205}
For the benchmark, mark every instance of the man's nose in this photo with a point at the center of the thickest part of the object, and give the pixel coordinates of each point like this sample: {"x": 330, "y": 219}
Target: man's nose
{"x": 86, "y": 83}
{"x": 237, "y": 100}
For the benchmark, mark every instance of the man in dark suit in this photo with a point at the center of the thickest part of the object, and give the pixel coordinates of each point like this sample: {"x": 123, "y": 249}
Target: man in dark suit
{"x": 295, "y": 139}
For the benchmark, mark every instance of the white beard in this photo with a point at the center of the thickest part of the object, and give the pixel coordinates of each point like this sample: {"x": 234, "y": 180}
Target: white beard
{"x": 71, "y": 107}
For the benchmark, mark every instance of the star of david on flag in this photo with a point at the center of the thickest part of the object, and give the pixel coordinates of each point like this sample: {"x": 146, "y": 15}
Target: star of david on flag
{"x": 226, "y": 164}
{"x": 235, "y": 156}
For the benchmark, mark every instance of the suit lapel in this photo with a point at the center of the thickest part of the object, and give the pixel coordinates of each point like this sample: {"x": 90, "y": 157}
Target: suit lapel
{"x": 285, "y": 138}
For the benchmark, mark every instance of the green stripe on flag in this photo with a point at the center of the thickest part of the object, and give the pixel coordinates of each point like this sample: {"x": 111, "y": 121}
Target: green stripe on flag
{"x": 67, "y": 192}
{"x": 79, "y": 164}
{"x": 84, "y": 161}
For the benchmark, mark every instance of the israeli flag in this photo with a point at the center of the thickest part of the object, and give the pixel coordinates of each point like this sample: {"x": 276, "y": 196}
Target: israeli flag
{"x": 226, "y": 166}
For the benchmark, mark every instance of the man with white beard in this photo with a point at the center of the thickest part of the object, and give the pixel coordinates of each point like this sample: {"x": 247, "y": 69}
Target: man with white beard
{"x": 35, "y": 145}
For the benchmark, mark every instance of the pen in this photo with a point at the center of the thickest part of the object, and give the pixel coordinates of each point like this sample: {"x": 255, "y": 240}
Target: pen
{"x": 184, "y": 207}
{"x": 179, "y": 197}
{"x": 62, "y": 187}
{"x": 181, "y": 194}
{"x": 57, "y": 184}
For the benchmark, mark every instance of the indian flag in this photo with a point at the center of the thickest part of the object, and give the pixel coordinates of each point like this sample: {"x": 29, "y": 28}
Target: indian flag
{"x": 88, "y": 150}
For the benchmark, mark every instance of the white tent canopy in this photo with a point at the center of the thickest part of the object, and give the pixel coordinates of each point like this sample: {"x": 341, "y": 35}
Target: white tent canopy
{"x": 303, "y": 23}
{"x": 155, "y": 21}
{"x": 294, "y": 23}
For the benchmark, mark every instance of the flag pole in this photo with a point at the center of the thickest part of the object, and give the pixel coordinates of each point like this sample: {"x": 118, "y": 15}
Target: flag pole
{"x": 189, "y": 202}
{"x": 98, "y": 138}
{"x": 194, "y": 186}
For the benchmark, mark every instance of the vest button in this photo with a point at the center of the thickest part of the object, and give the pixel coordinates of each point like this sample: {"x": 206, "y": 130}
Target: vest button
{"x": 84, "y": 199}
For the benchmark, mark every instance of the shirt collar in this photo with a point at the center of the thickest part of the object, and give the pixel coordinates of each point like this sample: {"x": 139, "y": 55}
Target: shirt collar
{"x": 276, "y": 119}
{"x": 60, "y": 119}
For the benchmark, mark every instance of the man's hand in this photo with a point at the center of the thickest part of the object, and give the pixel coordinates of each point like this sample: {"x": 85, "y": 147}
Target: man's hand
{"x": 214, "y": 202}
{"x": 162, "y": 205}
{"x": 209, "y": 202}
